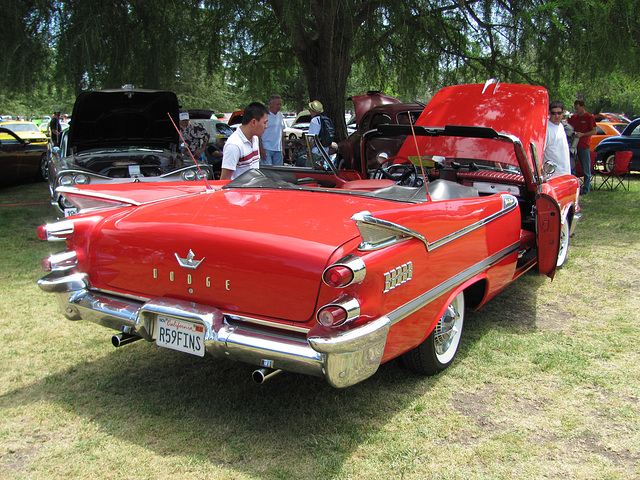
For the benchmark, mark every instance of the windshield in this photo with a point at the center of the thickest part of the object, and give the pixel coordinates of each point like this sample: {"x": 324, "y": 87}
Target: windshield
{"x": 22, "y": 127}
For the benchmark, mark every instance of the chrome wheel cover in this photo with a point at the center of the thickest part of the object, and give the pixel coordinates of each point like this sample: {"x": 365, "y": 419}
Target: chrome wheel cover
{"x": 446, "y": 336}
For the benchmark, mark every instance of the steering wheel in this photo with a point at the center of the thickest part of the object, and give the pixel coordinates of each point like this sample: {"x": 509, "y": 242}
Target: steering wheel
{"x": 400, "y": 170}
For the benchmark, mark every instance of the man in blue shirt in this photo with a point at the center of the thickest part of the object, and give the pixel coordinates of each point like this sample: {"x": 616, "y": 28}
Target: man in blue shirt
{"x": 272, "y": 138}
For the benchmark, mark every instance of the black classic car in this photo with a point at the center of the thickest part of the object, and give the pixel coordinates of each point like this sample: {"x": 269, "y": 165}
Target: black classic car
{"x": 120, "y": 136}
{"x": 628, "y": 140}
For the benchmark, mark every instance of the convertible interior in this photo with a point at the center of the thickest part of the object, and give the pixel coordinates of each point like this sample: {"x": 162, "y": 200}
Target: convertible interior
{"x": 454, "y": 163}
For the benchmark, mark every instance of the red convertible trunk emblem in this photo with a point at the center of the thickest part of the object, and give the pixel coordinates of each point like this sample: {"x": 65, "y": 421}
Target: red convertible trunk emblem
{"x": 189, "y": 262}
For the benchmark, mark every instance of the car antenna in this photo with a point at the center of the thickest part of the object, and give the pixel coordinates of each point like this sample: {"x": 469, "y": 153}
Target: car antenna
{"x": 204, "y": 177}
{"x": 424, "y": 177}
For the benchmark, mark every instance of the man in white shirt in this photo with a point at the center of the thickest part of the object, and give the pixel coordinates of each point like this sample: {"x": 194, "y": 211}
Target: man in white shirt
{"x": 272, "y": 139}
{"x": 557, "y": 147}
{"x": 242, "y": 150}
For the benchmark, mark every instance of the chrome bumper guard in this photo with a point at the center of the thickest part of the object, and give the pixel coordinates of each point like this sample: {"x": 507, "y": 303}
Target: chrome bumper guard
{"x": 343, "y": 358}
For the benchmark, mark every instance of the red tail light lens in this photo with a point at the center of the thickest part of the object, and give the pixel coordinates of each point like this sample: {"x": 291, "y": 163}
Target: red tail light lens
{"x": 56, "y": 231}
{"x": 42, "y": 232}
{"x": 332, "y": 316}
{"x": 338, "y": 276}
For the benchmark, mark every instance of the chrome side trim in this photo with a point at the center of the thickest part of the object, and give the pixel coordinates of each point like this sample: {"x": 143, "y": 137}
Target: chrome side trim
{"x": 509, "y": 202}
{"x": 417, "y": 303}
{"x": 101, "y": 196}
{"x": 256, "y": 321}
{"x": 377, "y": 233}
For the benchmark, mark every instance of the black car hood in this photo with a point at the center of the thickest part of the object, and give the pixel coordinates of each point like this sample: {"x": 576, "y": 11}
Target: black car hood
{"x": 124, "y": 118}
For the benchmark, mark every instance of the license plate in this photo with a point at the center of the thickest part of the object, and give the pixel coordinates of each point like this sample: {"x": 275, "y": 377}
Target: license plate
{"x": 70, "y": 211}
{"x": 180, "y": 335}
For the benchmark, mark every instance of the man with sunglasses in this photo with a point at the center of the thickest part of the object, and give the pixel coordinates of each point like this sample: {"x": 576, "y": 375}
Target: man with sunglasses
{"x": 556, "y": 148}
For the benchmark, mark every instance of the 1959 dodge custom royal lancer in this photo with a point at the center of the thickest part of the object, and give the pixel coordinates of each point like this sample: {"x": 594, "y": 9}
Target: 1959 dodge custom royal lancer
{"x": 325, "y": 272}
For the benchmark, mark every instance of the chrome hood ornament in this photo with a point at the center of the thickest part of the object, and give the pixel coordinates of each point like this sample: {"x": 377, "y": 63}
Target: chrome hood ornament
{"x": 189, "y": 262}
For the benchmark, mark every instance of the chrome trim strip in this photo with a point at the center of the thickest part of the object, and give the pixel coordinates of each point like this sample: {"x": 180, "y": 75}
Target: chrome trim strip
{"x": 102, "y": 196}
{"x": 509, "y": 202}
{"x": 120, "y": 294}
{"x": 364, "y": 218}
{"x": 73, "y": 172}
{"x": 417, "y": 303}
{"x": 229, "y": 316}
{"x": 266, "y": 323}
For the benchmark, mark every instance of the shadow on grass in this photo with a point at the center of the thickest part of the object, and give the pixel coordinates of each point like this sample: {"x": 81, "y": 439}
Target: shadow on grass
{"x": 209, "y": 410}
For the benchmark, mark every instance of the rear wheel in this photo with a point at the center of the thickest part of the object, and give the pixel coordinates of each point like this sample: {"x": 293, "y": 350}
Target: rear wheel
{"x": 439, "y": 349}
{"x": 609, "y": 161}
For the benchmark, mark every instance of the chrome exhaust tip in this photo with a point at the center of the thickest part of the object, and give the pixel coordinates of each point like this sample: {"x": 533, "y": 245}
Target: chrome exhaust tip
{"x": 263, "y": 374}
{"x": 123, "y": 338}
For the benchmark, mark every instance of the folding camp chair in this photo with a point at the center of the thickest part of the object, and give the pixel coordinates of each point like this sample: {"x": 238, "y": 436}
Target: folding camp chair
{"x": 580, "y": 173}
{"x": 616, "y": 177}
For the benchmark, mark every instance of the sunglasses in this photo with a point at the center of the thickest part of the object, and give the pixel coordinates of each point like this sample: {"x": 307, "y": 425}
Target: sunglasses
{"x": 556, "y": 113}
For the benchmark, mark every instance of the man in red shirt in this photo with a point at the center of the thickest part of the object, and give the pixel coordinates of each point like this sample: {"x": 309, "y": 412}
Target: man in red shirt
{"x": 585, "y": 125}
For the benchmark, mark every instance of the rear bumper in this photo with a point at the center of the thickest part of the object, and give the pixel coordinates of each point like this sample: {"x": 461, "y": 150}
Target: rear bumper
{"x": 342, "y": 358}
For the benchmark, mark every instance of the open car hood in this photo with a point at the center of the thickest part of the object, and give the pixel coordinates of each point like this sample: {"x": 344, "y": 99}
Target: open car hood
{"x": 124, "y": 118}
{"x": 519, "y": 110}
{"x": 363, "y": 103}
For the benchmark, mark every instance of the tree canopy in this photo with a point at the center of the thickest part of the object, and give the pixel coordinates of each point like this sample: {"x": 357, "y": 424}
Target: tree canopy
{"x": 221, "y": 55}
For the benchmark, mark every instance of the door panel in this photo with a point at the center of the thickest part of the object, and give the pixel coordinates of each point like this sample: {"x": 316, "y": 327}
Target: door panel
{"x": 548, "y": 233}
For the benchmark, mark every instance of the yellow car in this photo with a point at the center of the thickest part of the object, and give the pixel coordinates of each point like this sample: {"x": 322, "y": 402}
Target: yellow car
{"x": 26, "y": 131}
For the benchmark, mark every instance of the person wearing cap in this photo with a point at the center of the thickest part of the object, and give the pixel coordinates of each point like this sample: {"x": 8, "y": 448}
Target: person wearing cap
{"x": 272, "y": 139}
{"x": 242, "y": 150}
{"x": 217, "y": 147}
{"x": 316, "y": 110}
{"x": 195, "y": 136}
{"x": 55, "y": 129}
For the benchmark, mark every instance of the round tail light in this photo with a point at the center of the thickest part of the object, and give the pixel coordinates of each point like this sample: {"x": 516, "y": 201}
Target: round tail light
{"x": 338, "y": 276}
{"x": 332, "y": 316}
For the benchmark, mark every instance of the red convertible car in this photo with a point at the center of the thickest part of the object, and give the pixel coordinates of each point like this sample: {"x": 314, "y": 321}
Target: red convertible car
{"x": 319, "y": 271}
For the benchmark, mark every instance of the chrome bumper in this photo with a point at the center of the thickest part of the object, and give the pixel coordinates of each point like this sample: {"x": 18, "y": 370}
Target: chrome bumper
{"x": 342, "y": 358}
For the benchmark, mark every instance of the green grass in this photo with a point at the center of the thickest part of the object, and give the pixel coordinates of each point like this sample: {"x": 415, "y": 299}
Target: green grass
{"x": 545, "y": 384}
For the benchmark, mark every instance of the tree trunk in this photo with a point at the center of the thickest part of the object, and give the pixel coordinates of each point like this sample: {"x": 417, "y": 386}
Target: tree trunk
{"x": 324, "y": 50}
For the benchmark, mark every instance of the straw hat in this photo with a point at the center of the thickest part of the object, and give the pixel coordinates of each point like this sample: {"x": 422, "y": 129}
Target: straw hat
{"x": 316, "y": 106}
